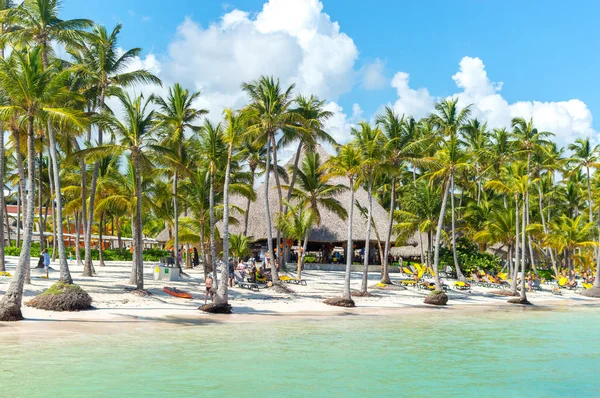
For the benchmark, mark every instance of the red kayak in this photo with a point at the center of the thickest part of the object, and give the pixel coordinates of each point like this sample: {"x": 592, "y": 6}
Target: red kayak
{"x": 176, "y": 292}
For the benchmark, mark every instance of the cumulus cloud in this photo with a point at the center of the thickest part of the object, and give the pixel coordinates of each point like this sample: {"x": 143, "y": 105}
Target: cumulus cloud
{"x": 566, "y": 119}
{"x": 290, "y": 39}
{"x": 373, "y": 76}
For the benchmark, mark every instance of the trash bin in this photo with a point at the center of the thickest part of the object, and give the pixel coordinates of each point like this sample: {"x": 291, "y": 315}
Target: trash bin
{"x": 163, "y": 272}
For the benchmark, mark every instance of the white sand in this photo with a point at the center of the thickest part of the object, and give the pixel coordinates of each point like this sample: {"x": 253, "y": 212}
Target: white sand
{"x": 114, "y": 302}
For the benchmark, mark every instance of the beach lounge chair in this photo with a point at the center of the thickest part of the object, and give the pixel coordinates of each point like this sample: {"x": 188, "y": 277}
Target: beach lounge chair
{"x": 493, "y": 282}
{"x": 564, "y": 284}
{"x": 241, "y": 283}
{"x": 460, "y": 285}
{"x": 289, "y": 279}
{"x": 448, "y": 272}
{"x": 428, "y": 285}
{"x": 476, "y": 280}
{"x": 537, "y": 285}
{"x": 407, "y": 271}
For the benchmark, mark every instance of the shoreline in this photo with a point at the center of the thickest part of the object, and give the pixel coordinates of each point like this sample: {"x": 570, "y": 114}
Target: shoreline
{"x": 116, "y": 306}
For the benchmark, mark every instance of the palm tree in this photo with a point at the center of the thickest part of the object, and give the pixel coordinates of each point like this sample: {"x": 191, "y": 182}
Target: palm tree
{"x": 103, "y": 68}
{"x": 585, "y": 155}
{"x": 232, "y": 136}
{"x": 449, "y": 120}
{"x": 29, "y": 88}
{"x": 314, "y": 193}
{"x": 176, "y": 114}
{"x": 239, "y": 246}
{"x": 214, "y": 150}
{"x": 270, "y": 110}
{"x": 134, "y": 131}
{"x": 370, "y": 142}
{"x": 347, "y": 163}
{"x": 400, "y": 134}
{"x": 297, "y": 224}
{"x": 568, "y": 234}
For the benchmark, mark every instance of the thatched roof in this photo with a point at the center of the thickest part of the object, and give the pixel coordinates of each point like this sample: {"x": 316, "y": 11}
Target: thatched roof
{"x": 163, "y": 236}
{"x": 412, "y": 247}
{"x": 332, "y": 228}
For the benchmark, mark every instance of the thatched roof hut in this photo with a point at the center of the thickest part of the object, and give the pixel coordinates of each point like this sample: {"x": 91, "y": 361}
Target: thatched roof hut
{"x": 411, "y": 248}
{"x": 332, "y": 228}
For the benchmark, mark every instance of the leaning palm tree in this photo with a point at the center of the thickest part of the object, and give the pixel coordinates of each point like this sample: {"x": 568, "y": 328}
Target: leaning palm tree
{"x": 29, "y": 88}
{"x": 176, "y": 115}
{"x": 347, "y": 163}
{"x": 103, "y": 68}
{"x": 270, "y": 110}
{"x": 134, "y": 131}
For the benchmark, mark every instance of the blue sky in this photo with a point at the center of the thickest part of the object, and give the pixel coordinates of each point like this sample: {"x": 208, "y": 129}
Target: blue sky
{"x": 543, "y": 51}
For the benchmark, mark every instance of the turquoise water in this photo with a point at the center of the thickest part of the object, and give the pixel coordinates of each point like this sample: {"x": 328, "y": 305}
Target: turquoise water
{"x": 497, "y": 353}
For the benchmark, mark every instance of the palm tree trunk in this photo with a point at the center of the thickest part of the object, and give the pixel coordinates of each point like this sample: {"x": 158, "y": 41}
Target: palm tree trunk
{"x": 221, "y": 297}
{"x": 589, "y": 187}
{"x": 65, "y": 275}
{"x": 365, "y": 277}
{"x": 51, "y": 183}
{"x": 7, "y": 220}
{"x": 524, "y": 254}
{"x": 213, "y": 248}
{"x": 88, "y": 268}
{"x": 40, "y": 218}
{"x": 137, "y": 243}
{"x": 438, "y": 238}
{"x": 18, "y": 242}
{"x": 280, "y": 196}
{"x": 385, "y": 274}
{"x": 101, "y": 241}
{"x": 301, "y": 258}
{"x": 203, "y": 247}
{"x": 2, "y": 202}
{"x": 176, "y": 220}
{"x": 247, "y": 213}
{"x": 78, "y": 239}
{"x": 349, "y": 249}
{"x": 286, "y": 251}
{"x": 459, "y": 273}
{"x": 513, "y": 285}
{"x": 274, "y": 273}
{"x": 10, "y": 304}
{"x": 597, "y": 279}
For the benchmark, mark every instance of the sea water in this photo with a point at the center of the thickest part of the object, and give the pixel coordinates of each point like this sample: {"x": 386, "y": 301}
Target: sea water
{"x": 498, "y": 353}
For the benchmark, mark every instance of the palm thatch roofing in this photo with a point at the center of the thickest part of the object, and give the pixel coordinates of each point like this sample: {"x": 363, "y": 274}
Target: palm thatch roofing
{"x": 163, "y": 236}
{"x": 412, "y": 246}
{"x": 331, "y": 229}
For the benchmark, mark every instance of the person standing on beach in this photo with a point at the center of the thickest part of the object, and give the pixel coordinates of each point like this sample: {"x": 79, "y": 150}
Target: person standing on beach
{"x": 46, "y": 260}
{"x": 196, "y": 259}
{"x": 209, "y": 283}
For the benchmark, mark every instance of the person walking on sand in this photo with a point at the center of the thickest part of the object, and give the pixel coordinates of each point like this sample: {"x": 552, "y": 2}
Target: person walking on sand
{"x": 209, "y": 283}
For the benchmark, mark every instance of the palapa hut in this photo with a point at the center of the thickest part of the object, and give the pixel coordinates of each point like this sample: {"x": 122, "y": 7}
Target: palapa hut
{"x": 331, "y": 233}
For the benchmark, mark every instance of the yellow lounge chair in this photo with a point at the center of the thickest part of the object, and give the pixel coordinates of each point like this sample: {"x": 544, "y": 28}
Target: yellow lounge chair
{"x": 6, "y": 274}
{"x": 289, "y": 279}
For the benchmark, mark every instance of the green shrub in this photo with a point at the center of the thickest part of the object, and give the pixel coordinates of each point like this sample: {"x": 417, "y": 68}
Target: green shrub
{"x": 109, "y": 254}
{"x": 310, "y": 259}
{"x": 469, "y": 257}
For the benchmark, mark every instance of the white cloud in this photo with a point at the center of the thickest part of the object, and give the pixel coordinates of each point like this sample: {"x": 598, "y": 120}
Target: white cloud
{"x": 373, "y": 76}
{"x": 290, "y": 39}
{"x": 566, "y": 119}
{"x": 417, "y": 103}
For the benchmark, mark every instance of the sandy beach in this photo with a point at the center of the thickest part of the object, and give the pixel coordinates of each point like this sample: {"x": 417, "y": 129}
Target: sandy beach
{"x": 114, "y": 302}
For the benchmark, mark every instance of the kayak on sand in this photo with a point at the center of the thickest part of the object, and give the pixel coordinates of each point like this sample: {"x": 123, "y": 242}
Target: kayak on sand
{"x": 176, "y": 292}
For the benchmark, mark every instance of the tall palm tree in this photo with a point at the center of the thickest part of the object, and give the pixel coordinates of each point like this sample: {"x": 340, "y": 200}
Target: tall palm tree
{"x": 449, "y": 120}
{"x": 585, "y": 155}
{"x": 176, "y": 115}
{"x": 134, "y": 134}
{"x": 214, "y": 150}
{"x": 29, "y": 87}
{"x": 568, "y": 234}
{"x": 235, "y": 124}
{"x": 270, "y": 108}
{"x": 400, "y": 133}
{"x": 104, "y": 69}
{"x": 370, "y": 142}
{"x": 347, "y": 163}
